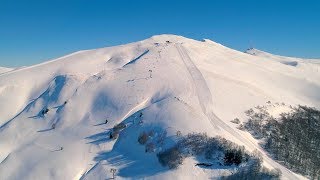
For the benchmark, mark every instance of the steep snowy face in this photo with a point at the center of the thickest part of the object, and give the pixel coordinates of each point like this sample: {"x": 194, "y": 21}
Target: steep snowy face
{"x": 63, "y": 110}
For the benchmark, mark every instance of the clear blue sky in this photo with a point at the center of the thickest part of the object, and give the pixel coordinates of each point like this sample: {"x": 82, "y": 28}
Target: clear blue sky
{"x": 33, "y": 31}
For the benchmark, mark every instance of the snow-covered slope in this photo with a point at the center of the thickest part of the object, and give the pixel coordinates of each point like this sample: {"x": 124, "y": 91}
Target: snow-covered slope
{"x": 306, "y": 64}
{"x": 166, "y": 83}
{"x": 4, "y": 69}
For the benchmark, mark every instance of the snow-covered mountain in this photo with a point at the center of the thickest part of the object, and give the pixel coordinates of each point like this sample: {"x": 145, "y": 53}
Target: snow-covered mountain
{"x": 53, "y": 115}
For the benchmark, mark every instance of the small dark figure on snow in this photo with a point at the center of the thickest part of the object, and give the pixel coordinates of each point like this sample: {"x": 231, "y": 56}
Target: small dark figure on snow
{"x": 140, "y": 114}
{"x": 106, "y": 121}
{"x": 44, "y": 111}
{"x": 53, "y": 126}
{"x": 113, "y": 171}
{"x": 204, "y": 164}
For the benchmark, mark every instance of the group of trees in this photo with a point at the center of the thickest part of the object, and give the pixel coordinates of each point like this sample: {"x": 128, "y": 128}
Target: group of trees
{"x": 216, "y": 148}
{"x": 152, "y": 140}
{"x": 293, "y": 138}
{"x": 199, "y": 144}
{"x": 254, "y": 170}
{"x": 114, "y": 134}
{"x": 144, "y": 139}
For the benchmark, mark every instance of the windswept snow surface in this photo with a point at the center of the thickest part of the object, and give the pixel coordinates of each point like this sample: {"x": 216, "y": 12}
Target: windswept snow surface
{"x": 4, "y": 70}
{"x": 312, "y": 65}
{"x": 52, "y": 115}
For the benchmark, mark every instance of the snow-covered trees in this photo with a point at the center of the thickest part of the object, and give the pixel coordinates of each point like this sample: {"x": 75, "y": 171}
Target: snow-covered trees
{"x": 293, "y": 139}
{"x": 233, "y": 157}
{"x": 172, "y": 157}
{"x": 114, "y": 134}
{"x": 199, "y": 144}
{"x": 143, "y": 138}
{"x": 254, "y": 170}
{"x": 213, "y": 148}
{"x": 235, "y": 121}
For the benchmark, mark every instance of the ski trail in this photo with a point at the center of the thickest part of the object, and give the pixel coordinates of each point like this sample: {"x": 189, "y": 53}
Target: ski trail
{"x": 206, "y": 103}
{"x": 201, "y": 88}
{"x": 88, "y": 171}
{"x": 5, "y": 159}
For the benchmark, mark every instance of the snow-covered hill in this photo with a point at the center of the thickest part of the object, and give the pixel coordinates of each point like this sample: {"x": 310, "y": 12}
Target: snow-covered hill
{"x": 52, "y": 115}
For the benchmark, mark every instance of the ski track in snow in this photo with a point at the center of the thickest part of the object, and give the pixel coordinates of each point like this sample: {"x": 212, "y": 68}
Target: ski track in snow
{"x": 6, "y": 157}
{"x": 202, "y": 90}
{"x": 206, "y": 103}
{"x": 88, "y": 171}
